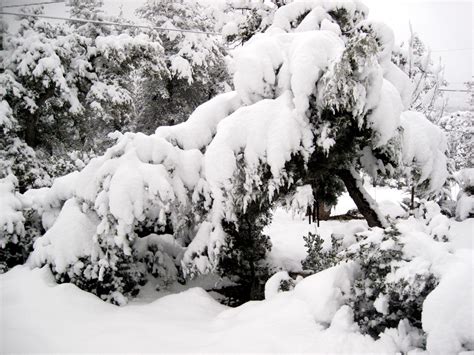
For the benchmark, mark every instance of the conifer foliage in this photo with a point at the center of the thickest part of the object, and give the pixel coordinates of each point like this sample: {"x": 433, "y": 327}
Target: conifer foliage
{"x": 316, "y": 96}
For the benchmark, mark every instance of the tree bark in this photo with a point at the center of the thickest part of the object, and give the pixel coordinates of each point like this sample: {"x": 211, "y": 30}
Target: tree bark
{"x": 31, "y": 131}
{"x": 361, "y": 198}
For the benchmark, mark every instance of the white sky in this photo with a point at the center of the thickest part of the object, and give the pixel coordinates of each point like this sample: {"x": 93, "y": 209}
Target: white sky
{"x": 445, "y": 26}
{"x": 442, "y": 25}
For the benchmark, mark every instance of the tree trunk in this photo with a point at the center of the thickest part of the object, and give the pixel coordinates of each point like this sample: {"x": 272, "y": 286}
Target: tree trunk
{"x": 30, "y": 131}
{"x": 363, "y": 201}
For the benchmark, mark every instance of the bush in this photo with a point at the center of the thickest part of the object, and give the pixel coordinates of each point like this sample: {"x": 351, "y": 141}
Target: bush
{"x": 117, "y": 282}
{"x": 19, "y": 227}
{"x": 319, "y": 259}
{"x": 242, "y": 258}
{"x": 381, "y": 297}
{"x": 385, "y": 291}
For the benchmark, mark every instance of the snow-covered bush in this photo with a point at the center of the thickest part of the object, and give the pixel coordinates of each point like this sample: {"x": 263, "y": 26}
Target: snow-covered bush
{"x": 424, "y": 154}
{"x": 389, "y": 283}
{"x": 17, "y": 158}
{"x": 318, "y": 258}
{"x": 242, "y": 257}
{"x": 316, "y": 98}
{"x": 384, "y": 293}
{"x": 18, "y": 227}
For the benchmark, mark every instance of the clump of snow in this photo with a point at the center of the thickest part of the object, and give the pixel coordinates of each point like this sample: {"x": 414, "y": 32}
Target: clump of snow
{"x": 274, "y": 136}
{"x": 381, "y": 304}
{"x": 273, "y": 284}
{"x": 67, "y": 240}
{"x": 424, "y": 146}
{"x": 464, "y": 206}
{"x": 385, "y": 118}
{"x": 201, "y": 126}
{"x": 270, "y": 64}
{"x": 325, "y": 291}
{"x": 465, "y": 198}
{"x": 48, "y": 201}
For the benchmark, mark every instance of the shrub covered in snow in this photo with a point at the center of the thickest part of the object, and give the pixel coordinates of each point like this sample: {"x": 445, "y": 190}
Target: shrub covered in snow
{"x": 389, "y": 283}
{"x": 19, "y": 227}
{"x": 318, "y": 258}
{"x": 384, "y": 294}
{"x": 316, "y": 98}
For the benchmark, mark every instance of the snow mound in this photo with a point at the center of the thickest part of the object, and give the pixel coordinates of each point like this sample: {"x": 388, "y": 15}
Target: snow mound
{"x": 324, "y": 292}
{"x": 448, "y": 310}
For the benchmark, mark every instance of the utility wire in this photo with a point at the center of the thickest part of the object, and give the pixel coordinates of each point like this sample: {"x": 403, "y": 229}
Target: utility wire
{"x": 109, "y": 23}
{"x": 453, "y": 50}
{"x": 36, "y": 3}
{"x": 142, "y": 26}
{"x": 453, "y": 90}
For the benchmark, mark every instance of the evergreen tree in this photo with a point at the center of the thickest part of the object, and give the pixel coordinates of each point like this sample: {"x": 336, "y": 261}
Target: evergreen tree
{"x": 65, "y": 88}
{"x": 241, "y": 20}
{"x": 312, "y": 103}
{"x": 195, "y": 66}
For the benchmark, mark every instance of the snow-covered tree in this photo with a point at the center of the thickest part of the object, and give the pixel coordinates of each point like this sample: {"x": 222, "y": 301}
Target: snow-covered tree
{"x": 316, "y": 98}
{"x": 459, "y": 128}
{"x": 427, "y": 78}
{"x": 240, "y": 20}
{"x": 470, "y": 89}
{"x": 64, "y": 88}
{"x": 195, "y": 66}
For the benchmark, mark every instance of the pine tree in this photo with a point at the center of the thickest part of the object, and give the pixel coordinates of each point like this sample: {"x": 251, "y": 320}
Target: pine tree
{"x": 68, "y": 88}
{"x": 241, "y": 20}
{"x": 312, "y": 105}
{"x": 195, "y": 66}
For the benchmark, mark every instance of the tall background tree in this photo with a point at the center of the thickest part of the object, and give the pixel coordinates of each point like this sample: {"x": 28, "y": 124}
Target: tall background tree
{"x": 195, "y": 64}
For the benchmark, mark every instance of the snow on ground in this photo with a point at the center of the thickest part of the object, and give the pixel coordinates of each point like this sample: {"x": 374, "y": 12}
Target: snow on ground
{"x": 388, "y": 199}
{"x": 60, "y": 318}
{"x": 287, "y": 230}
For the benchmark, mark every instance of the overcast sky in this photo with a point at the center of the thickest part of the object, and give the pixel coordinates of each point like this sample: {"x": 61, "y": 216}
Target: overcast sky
{"x": 445, "y": 26}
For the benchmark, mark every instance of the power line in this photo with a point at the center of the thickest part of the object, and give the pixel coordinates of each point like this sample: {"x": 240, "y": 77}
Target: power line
{"x": 454, "y": 90}
{"x": 36, "y": 3}
{"x": 453, "y": 50}
{"x": 109, "y": 23}
{"x": 140, "y": 26}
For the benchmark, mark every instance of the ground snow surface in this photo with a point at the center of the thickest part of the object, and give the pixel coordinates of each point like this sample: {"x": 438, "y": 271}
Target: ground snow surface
{"x": 37, "y": 315}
